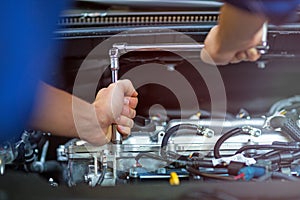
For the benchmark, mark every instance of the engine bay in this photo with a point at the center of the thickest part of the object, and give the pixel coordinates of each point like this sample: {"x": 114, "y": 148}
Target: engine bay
{"x": 196, "y": 124}
{"x": 193, "y": 148}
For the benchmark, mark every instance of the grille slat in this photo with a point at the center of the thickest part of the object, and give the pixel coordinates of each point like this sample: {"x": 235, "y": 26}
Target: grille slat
{"x": 98, "y": 20}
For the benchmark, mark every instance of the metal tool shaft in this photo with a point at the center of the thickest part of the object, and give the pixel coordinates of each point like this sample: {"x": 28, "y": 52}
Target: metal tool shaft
{"x": 119, "y": 49}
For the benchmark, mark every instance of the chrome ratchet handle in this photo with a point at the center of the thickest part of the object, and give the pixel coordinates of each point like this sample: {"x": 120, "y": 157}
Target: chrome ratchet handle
{"x": 114, "y": 62}
{"x": 119, "y": 49}
{"x": 264, "y": 47}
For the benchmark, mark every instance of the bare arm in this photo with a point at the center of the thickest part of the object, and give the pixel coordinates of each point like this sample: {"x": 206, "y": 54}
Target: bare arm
{"x": 234, "y": 38}
{"x": 62, "y": 114}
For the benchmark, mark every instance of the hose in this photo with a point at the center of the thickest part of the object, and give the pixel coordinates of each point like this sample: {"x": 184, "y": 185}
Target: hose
{"x": 174, "y": 159}
{"x": 149, "y": 155}
{"x": 278, "y": 175}
{"x": 173, "y": 130}
{"x": 194, "y": 171}
{"x": 223, "y": 138}
{"x": 275, "y": 147}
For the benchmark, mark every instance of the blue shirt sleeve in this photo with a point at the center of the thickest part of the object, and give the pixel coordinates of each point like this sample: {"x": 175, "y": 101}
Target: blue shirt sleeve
{"x": 25, "y": 58}
{"x": 277, "y": 11}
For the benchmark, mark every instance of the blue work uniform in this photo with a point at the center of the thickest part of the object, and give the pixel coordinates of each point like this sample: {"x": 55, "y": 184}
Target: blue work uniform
{"x": 27, "y": 54}
{"x": 277, "y": 11}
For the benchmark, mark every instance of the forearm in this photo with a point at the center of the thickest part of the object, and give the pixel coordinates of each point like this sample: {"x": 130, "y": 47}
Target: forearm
{"x": 54, "y": 112}
{"x": 63, "y": 114}
{"x": 237, "y": 29}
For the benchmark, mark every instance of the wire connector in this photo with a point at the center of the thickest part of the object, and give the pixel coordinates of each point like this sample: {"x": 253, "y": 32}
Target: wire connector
{"x": 238, "y": 158}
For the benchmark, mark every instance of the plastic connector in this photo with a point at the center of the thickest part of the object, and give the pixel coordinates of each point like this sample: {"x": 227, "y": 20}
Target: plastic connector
{"x": 174, "y": 179}
{"x": 234, "y": 167}
{"x": 251, "y": 172}
{"x": 287, "y": 126}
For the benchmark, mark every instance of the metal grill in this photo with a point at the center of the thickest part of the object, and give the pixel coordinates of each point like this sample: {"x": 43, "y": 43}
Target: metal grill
{"x": 139, "y": 19}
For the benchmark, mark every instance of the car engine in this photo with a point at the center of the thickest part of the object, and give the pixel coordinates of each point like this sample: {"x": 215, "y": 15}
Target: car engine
{"x": 195, "y": 123}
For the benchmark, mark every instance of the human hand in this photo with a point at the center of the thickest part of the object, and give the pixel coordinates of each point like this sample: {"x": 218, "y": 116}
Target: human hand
{"x": 216, "y": 53}
{"x": 116, "y": 104}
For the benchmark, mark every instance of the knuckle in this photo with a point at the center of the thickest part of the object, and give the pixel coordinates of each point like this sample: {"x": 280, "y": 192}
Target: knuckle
{"x": 133, "y": 113}
{"x": 130, "y": 123}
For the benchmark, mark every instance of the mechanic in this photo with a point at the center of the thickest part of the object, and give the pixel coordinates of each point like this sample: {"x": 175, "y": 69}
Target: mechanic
{"x": 28, "y": 54}
{"x": 240, "y": 29}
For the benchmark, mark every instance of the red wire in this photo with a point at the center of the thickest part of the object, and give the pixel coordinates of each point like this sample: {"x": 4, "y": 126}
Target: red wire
{"x": 240, "y": 176}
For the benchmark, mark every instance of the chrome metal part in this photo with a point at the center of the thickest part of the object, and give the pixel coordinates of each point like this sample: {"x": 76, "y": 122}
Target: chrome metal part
{"x": 114, "y": 63}
{"x": 174, "y": 47}
{"x": 114, "y": 66}
{"x": 252, "y": 131}
{"x": 116, "y": 158}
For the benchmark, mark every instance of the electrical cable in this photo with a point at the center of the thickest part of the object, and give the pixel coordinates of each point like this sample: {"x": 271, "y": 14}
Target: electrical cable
{"x": 280, "y": 156}
{"x": 149, "y": 155}
{"x": 223, "y": 138}
{"x": 206, "y": 175}
{"x": 275, "y": 147}
{"x": 266, "y": 155}
{"x": 277, "y": 175}
{"x": 173, "y": 130}
{"x": 174, "y": 159}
